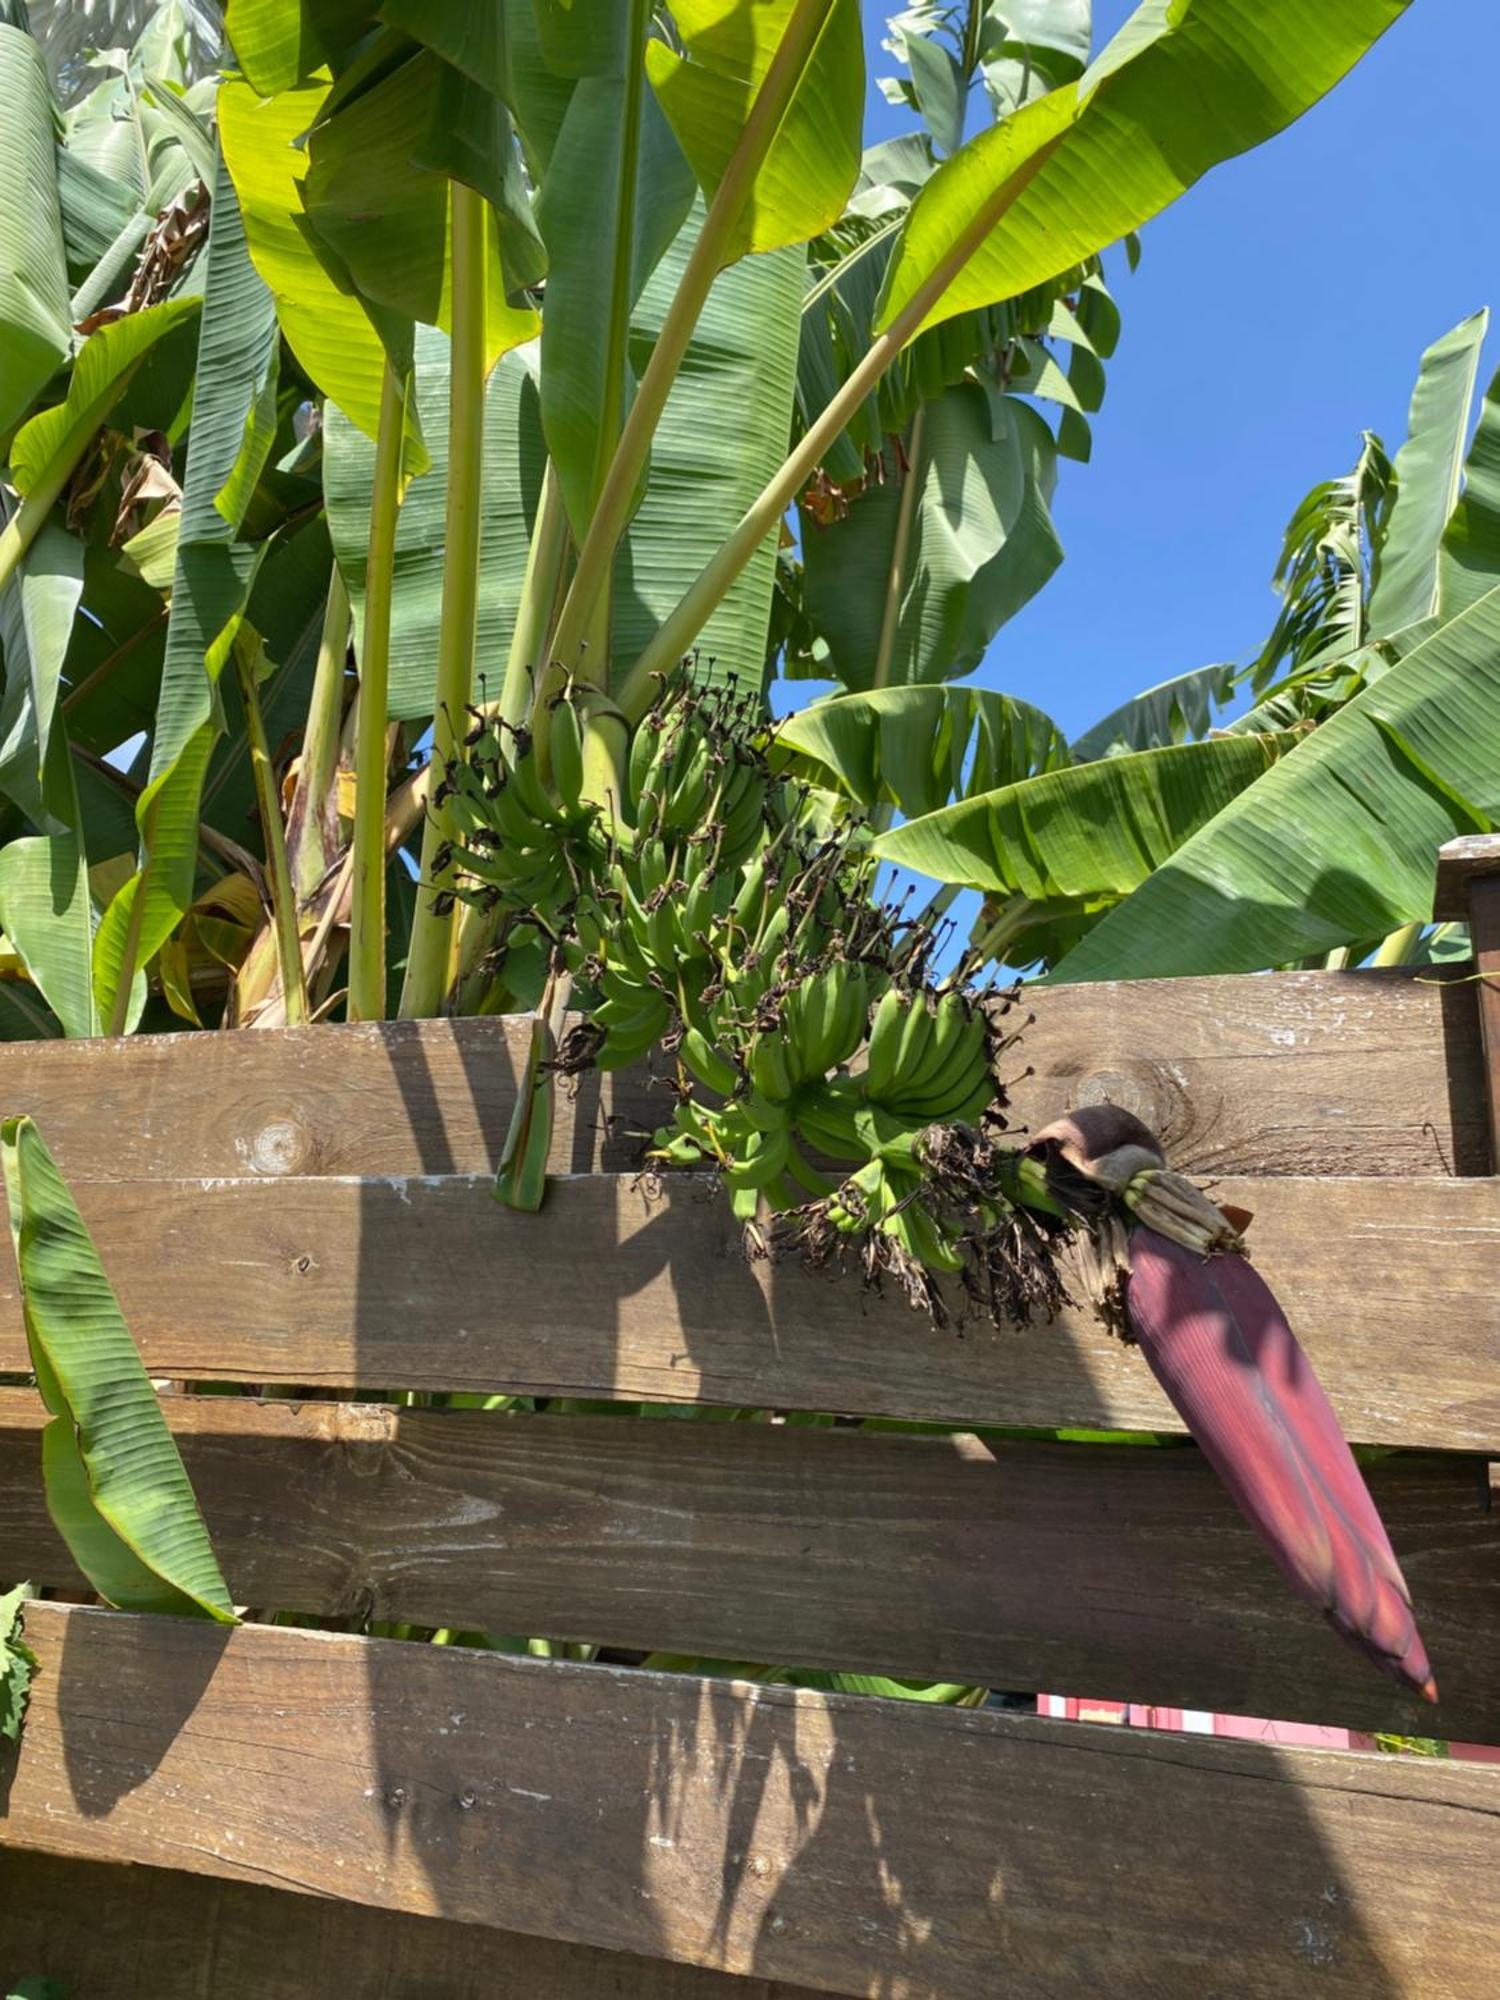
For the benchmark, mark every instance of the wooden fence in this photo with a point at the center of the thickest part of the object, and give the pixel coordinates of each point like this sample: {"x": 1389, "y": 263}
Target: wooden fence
{"x": 312, "y": 1208}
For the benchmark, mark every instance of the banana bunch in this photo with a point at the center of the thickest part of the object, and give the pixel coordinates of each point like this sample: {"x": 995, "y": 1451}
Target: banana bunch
{"x": 522, "y": 842}
{"x": 722, "y": 917}
{"x": 930, "y": 1058}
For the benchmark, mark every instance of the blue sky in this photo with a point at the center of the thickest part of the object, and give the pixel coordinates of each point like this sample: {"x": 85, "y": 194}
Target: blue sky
{"x": 1280, "y": 308}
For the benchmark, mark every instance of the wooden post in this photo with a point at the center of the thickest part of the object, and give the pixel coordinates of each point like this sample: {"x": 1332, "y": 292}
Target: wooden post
{"x": 1468, "y": 891}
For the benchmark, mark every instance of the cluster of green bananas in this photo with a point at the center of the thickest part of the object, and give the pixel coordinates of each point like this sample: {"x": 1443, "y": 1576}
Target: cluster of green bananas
{"x": 523, "y": 842}
{"x": 726, "y": 920}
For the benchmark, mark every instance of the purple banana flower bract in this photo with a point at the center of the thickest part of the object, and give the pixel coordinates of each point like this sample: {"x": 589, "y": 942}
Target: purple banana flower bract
{"x": 1220, "y": 1347}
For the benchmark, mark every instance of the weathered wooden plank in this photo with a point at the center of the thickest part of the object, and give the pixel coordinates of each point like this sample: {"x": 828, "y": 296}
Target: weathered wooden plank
{"x": 155, "y": 1934}
{"x": 430, "y": 1284}
{"x": 847, "y": 1845}
{"x": 1337, "y": 1073}
{"x": 394, "y": 1097}
{"x": 1302, "y": 1073}
{"x": 1124, "y": 1573}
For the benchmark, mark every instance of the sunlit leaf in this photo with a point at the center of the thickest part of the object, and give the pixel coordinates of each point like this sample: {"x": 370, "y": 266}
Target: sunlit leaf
{"x": 116, "y": 1488}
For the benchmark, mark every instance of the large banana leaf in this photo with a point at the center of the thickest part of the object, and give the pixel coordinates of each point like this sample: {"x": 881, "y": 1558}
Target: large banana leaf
{"x": 230, "y": 439}
{"x": 514, "y": 462}
{"x": 280, "y": 43}
{"x": 1167, "y": 713}
{"x": 35, "y": 330}
{"x": 709, "y": 88}
{"x": 37, "y": 609}
{"x": 116, "y": 1487}
{"x": 1087, "y": 835}
{"x": 1183, "y": 85}
{"x": 722, "y": 436}
{"x": 1470, "y": 562}
{"x": 1429, "y": 469}
{"x": 1335, "y": 844}
{"x": 326, "y": 327}
{"x": 919, "y": 747}
{"x": 17, "y": 1662}
{"x": 617, "y": 191}
{"x": 46, "y": 911}
{"x": 377, "y": 192}
{"x": 966, "y": 547}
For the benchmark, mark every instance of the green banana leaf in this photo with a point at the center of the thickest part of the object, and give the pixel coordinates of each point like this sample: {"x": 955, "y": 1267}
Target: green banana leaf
{"x": 280, "y": 43}
{"x": 114, "y": 660}
{"x": 377, "y": 190}
{"x": 1180, "y": 88}
{"x": 326, "y": 327}
{"x": 919, "y": 747}
{"x": 1470, "y": 560}
{"x": 116, "y": 1487}
{"x": 1082, "y": 838}
{"x": 1337, "y": 843}
{"x": 37, "y": 610}
{"x": 36, "y": 334}
{"x": 966, "y": 548}
{"x": 47, "y": 450}
{"x": 94, "y": 211}
{"x": 514, "y": 463}
{"x": 1429, "y": 470}
{"x": 616, "y": 193}
{"x": 1170, "y": 712}
{"x": 231, "y": 437}
{"x": 45, "y": 909}
{"x": 17, "y": 1662}
{"x": 708, "y": 89}
{"x": 722, "y": 436}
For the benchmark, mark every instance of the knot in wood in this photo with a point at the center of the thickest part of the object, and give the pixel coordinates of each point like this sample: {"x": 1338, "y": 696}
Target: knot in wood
{"x": 1156, "y": 1098}
{"x": 279, "y": 1147}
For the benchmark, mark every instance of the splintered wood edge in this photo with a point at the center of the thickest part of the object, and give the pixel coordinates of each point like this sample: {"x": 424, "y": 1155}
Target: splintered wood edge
{"x": 1460, "y": 864}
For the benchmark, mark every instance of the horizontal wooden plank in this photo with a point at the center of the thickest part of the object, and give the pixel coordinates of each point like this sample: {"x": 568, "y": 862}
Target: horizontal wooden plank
{"x": 843, "y": 1844}
{"x": 1118, "y": 1572}
{"x": 1300, "y": 1073}
{"x": 157, "y": 1934}
{"x": 430, "y": 1284}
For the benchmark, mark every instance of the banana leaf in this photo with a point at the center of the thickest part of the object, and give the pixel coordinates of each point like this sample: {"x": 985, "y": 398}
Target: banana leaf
{"x": 708, "y": 88}
{"x": 616, "y": 193}
{"x": 1428, "y": 469}
{"x": 36, "y": 334}
{"x": 116, "y": 1487}
{"x": 1170, "y": 712}
{"x": 1337, "y": 842}
{"x": 326, "y": 326}
{"x": 722, "y": 436}
{"x": 233, "y": 428}
{"x": 17, "y": 1662}
{"x": 1180, "y": 88}
{"x": 1470, "y": 561}
{"x": 965, "y": 548}
{"x": 1085, "y": 837}
{"x": 919, "y": 747}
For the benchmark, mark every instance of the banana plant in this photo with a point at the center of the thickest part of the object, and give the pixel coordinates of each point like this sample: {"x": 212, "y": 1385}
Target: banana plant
{"x": 538, "y": 348}
{"x": 1172, "y": 839}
